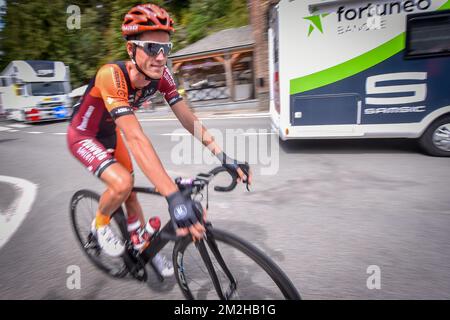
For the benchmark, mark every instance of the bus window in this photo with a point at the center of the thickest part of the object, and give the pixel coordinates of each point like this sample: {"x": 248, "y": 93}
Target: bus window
{"x": 428, "y": 35}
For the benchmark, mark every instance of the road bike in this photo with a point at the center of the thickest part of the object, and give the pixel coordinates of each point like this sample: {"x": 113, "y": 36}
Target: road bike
{"x": 220, "y": 266}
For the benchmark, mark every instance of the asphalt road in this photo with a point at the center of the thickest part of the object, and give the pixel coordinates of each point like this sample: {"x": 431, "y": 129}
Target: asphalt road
{"x": 323, "y": 210}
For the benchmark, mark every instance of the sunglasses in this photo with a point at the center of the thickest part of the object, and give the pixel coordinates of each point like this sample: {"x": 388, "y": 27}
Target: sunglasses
{"x": 152, "y": 48}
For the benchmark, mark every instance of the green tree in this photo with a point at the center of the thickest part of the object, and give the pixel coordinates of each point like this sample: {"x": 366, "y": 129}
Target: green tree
{"x": 37, "y": 30}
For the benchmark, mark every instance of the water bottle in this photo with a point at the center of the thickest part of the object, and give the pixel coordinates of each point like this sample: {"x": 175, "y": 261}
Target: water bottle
{"x": 152, "y": 226}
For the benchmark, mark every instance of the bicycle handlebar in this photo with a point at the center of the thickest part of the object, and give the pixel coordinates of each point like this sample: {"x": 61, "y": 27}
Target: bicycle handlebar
{"x": 201, "y": 180}
{"x": 197, "y": 184}
{"x": 230, "y": 187}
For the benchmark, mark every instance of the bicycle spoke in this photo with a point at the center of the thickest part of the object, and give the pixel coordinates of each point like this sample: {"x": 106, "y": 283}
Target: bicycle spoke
{"x": 91, "y": 211}
{"x": 83, "y": 234}
{"x": 88, "y": 210}
{"x": 194, "y": 281}
{"x": 201, "y": 266}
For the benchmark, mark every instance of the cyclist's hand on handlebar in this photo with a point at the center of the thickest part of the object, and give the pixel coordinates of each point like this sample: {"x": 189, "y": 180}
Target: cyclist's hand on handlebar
{"x": 197, "y": 230}
{"x": 239, "y": 169}
{"x": 245, "y": 175}
{"x": 182, "y": 211}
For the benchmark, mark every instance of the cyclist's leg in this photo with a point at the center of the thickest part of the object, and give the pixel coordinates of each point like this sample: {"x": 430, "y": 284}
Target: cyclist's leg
{"x": 93, "y": 154}
{"x": 134, "y": 209}
{"x": 119, "y": 183}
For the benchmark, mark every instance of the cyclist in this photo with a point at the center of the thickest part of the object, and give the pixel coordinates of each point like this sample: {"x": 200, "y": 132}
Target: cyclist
{"x": 107, "y": 109}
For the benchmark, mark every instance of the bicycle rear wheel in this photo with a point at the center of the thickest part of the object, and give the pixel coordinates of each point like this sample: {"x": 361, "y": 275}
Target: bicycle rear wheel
{"x": 239, "y": 271}
{"x": 83, "y": 207}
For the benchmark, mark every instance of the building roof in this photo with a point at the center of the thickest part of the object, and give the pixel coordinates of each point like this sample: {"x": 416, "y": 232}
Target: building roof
{"x": 219, "y": 41}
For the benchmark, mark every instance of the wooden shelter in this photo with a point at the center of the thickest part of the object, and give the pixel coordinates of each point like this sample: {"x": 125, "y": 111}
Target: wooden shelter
{"x": 219, "y": 66}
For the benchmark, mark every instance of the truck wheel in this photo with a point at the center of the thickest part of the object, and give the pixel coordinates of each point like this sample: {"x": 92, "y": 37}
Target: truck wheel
{"x": 436, "y": 139}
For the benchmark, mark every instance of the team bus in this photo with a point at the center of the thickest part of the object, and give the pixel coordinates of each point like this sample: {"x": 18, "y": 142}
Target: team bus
{"x": 35, "y": 90}
{"x": 361, "y": 69}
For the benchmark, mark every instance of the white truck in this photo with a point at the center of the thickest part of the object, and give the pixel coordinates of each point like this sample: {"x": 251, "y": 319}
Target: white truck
{"x": 35, "y": 90}
{"x": 361, "y": 69}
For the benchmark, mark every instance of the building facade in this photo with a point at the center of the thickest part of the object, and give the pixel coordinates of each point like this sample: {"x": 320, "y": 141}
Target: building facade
{"x": 259, "y": 18}
{"x": 231, "y": 64}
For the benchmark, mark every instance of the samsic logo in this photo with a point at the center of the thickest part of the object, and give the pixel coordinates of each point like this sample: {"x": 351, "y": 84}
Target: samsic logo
{"x": 384, "y": 9}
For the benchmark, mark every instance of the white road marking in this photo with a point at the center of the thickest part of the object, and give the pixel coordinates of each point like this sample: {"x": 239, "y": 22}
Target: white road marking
{"x": 249, "y": 115}
{"x": 258, "y": 133}
{"x": 4, "y": 129}
{"x": 13, "y": 130}
{"x": 34, "y": 132}
{"x": 234, "y": 117}
{"x": 221, "y": 117}
{"x": 176, "y": 134}
{"x": 157, "y": 119}
{"x": 243, "y": 134}
{"x": 18, "y": 125}
{"x": 14, "y": 215}
{"x": 60, "y": 133}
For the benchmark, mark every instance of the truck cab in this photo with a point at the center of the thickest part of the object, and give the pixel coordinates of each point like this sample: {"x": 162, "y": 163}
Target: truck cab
{"x": 35, "y": 91}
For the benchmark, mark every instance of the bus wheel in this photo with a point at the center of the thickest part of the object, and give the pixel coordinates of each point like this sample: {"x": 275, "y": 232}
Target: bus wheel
{"x": 436, "y": 139}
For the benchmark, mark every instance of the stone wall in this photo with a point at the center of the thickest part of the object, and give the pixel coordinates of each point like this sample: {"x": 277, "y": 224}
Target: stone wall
{"x": 258, "y": 13}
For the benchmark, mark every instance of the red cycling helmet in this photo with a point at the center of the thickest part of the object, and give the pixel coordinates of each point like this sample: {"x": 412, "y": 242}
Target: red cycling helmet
{"x": 146, "y": 17}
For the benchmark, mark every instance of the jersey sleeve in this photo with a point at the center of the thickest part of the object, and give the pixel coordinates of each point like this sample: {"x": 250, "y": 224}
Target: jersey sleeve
{"x": 112, "y": 85}
{"x": 168, "y": 88}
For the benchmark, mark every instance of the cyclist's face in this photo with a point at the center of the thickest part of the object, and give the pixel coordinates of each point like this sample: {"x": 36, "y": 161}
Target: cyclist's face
{"x": 152, "y": 66}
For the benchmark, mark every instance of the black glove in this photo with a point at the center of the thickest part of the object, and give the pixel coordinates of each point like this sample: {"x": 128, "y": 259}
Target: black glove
{"x": 232, "y": 165}
{"x": 181, "y": 210}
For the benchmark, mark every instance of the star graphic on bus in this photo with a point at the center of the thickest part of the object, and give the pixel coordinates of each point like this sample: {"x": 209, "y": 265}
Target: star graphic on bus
{"x": 315, "y": 22}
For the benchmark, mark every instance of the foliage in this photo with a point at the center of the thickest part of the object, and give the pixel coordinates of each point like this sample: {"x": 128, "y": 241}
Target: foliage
{"x": 37, "y": 30}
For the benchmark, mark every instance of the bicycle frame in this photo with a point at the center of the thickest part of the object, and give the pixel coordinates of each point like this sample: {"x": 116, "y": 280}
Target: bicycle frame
{"x": 134, "y": 261}
{"x": 167, "y": 234}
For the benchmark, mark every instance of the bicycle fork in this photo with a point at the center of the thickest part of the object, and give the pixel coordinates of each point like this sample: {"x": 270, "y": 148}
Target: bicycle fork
{"x": 200, "y": 245}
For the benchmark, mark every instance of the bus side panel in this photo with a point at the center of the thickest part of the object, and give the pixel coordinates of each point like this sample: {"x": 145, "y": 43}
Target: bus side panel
{"x": 393, "y": 91}
{"x": 330, "y": 109}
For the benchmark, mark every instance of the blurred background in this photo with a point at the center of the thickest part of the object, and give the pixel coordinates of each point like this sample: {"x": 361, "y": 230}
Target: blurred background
{"x": 333, "y": 207}
{"x": 52, "y": 31}
{"x": 36, "y": 30}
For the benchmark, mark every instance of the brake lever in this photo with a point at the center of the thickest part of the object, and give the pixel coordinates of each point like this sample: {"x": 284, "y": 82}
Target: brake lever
{"x": 247, "y": 174}
{"x": 247, "y": 184}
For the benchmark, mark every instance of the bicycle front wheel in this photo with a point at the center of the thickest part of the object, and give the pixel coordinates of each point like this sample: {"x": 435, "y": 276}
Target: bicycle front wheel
{"x": 224, "y": 266}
